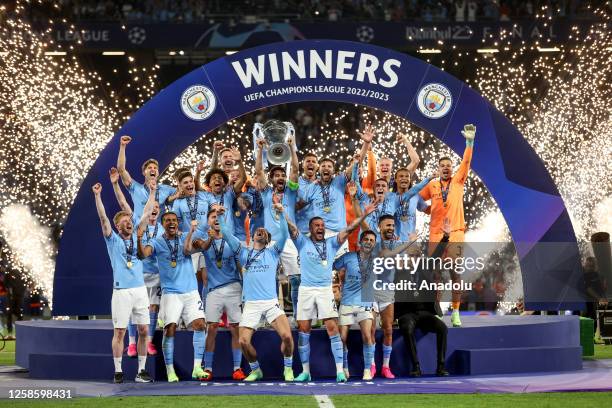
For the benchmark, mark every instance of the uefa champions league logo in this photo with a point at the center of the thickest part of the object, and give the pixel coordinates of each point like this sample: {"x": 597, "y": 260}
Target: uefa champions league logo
{"x": 198, "y": 102}
{"x": 137, "y": 35}
{"x": 434, "y": 100}
{"x": 365, "y": 33}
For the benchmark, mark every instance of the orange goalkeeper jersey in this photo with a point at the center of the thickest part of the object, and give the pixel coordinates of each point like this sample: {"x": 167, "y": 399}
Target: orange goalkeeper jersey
{"x": 453, "y": 210}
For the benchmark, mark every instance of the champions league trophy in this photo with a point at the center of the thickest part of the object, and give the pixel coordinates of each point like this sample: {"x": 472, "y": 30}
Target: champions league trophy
{"x": 275, "y": 133}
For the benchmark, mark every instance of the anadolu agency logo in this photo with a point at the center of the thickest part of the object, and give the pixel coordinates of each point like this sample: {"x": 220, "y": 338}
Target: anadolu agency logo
{"x": 198, "y": 102}
{"x": 434, "y": 100}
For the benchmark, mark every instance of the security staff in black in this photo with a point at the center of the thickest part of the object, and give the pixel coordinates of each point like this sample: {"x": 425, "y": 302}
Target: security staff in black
{"x": 417, "y": 309}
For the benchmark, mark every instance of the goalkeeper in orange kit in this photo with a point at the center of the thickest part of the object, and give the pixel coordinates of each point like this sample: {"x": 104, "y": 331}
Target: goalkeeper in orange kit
{"x": 446, "y": 195}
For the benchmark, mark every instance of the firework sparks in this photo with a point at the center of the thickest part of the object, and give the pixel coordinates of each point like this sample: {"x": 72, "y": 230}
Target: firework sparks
{"x": 53, "y": 125}
{"x": 561, "y": 103}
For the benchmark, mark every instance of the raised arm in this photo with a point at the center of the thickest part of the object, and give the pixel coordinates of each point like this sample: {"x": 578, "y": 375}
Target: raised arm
{"x": 343, "y": 235}
{"x": 114, "y": 178}
{"x": 173, "y": 197}
{"x": 242, "y": 177}
{"x": 295, "y": 164}
{"x": 284, "y": 228}
{"x": 352, "y": 190}
{"x": 366, "y": 137}
{"x": 202, "y": 244}
{"x": 188, "y": 247}
{"x": 262, "y": 180}
{"x": 412, "y": 153}
{"x": 293, "y": 230}
{"x": 228, "y": 234}
{"x": 355, "y": 178}
{"x": 368, "y": 182}
{"x": 143, "y": 251}
{"x": 148, "y": 208}
{"x": 125, "y": 176}
{"x": 469, "y": 132}
{"x": 355, "y": 170}
{"x": 198, "y": 174}
{"x": 206, "y": 243}
{"x": 217, "y": 146}
{"x": 390, "y": 253}
{"x": 104, "y": 222}
{"x": 414, "y": 190}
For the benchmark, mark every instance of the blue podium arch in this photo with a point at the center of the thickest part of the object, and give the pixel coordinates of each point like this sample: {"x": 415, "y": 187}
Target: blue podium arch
{"x": 338, "y": 71}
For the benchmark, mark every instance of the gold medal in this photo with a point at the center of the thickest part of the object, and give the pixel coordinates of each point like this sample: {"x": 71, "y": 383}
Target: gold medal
{"x": 404, "y": 218}
{"x": 277, "y": 216}
{"x": 324, "y": 262}
{"x": 237, "y": 213}
{"x": 219, "y": 263}
{"x": 173, "y": 264}
{"x": 243, "y": 270}
{"x": 444, "y": 205}
{"x": 129, "y": 264}
{"x": 327, "y": 209}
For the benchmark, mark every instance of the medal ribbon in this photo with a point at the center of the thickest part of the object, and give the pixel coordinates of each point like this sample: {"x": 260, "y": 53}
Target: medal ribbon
{"x": 322, "y": 253}
{"x": 381, "y": 211}
{"x": 255, "y": 207}
{"x": 156, "y": 193}
{"x": 325, "y": 194}
{"x": 444, "y": 191}
{"x": 251, "y": 259}
{"x": 277, "y": 198}
{"x": 129, "y": 250}
{"x": 173, "y": 250}
{"x": 193, "y": 208}
{"x": 149, "y": 236}
{"x": 221, "y": 199}
{"x": 364, "y": 268}
{"x": 403, "y": 206}
{"x": 218, "y": 252}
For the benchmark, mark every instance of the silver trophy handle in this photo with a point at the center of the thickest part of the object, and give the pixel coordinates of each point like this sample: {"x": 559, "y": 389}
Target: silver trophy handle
{"x": 258, "y": 134}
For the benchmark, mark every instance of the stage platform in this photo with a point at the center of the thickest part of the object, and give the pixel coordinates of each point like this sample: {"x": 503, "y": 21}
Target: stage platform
{"x": 486, "y": 345}
{"x": 595, "y": 376}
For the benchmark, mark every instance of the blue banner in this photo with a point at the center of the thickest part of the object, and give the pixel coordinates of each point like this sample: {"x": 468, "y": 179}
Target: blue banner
{"x": 389, "y": 34}
{"x": 341, "y": 71}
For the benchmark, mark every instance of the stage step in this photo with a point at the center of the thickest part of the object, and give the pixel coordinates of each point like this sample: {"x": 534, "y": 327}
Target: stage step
{"x": 86, "y": 366}
{"x": 520, "y": 359}
{"x": 76, "y": 349}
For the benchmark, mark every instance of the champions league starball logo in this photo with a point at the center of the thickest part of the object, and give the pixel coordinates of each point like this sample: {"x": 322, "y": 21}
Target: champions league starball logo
{"x": 137, "y": 35}
{"x": 434, "y": 100}
{"x": 365, "y": 34}
{"x": 198, "y": 102}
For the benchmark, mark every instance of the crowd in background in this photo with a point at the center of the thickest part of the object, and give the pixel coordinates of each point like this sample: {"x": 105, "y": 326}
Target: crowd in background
{"x": 189, "y": 11}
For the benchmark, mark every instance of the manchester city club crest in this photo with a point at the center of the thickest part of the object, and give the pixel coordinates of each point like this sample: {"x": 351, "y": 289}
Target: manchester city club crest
{"x": 198, "y": 102}
{"x": 434, "y": 100}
